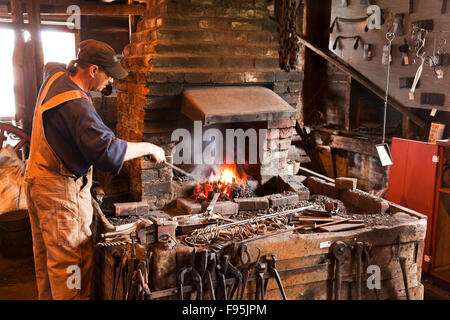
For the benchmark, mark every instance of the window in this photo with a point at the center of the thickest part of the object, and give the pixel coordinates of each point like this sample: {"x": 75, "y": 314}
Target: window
{"x": 57, "y": 46}
{"x": 7, "y": 108}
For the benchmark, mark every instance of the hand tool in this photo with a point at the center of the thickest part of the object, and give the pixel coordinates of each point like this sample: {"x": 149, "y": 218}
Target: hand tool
{"x": 358, "y": 247}
{"x": 195, "y": 278}
{"x": 237, "y": 275}
{"x": 260, "y": 268}
{"x": 402, "y": 262}
{"x": 221, "y": 270}
{"x": 182, "y": 171}
{"x": 271, "y": 260}
{"x": 324, "y": 265}
{"x": 122, "y": 262}
{"x": 143, "y": 273}
{"x": 338, "y": 250}
{"x": 210, "y": 208}
{"x": 149, "y": 158}
{"x": 210, "y": 268}
{"x": 245, "y": 267}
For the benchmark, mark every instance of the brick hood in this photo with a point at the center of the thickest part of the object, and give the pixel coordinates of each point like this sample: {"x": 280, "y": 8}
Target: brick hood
{"x": 234, "y": 104}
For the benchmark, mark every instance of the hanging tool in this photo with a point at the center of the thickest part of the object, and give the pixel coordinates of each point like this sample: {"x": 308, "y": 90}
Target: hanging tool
{"x": 338, "y": 250}
{"x": 247, "y": 266}
{"x": 260, "y": 268}
{"x": 195, "y": 277}
{"x": 271, "y": 260}
{"x": 444, "y": 6}
{"x": 383, "y": 148}
{"x": 402, "y": 262}
{"x": 422, "y": 33}
{"x": 404, "y": 49}
{"x": 358, "y": 247}
{"x": 207, "y": 283}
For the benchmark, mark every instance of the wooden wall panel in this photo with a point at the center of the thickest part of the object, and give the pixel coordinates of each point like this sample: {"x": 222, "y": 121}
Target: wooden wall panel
{"x": 375, "y": 70}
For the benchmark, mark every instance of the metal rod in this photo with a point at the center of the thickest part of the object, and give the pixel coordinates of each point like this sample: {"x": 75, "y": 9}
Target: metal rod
{"x": 258, "y": 218}
{"x": 182, "y": 171}
{"x": 389, "y": 36}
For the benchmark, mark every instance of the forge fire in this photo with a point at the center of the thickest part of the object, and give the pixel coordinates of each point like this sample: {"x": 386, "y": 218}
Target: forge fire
{"x": 227, "y": 181}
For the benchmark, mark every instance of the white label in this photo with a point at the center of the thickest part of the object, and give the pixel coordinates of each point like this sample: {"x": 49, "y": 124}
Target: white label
{"x": 411, "y": 95}
{"x": 325, "y": 244}
{"x": 433, "y": 112}
{"x": 435, "y": 159}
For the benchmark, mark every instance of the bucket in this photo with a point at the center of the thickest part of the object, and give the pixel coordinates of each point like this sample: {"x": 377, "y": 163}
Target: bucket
{"x": 15, "y": 234}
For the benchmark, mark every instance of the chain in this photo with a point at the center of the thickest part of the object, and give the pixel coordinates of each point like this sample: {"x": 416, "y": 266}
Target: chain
{"x": 286, "y": 14}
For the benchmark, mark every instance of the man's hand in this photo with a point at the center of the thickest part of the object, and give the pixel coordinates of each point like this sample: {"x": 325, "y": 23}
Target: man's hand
{"x": 157, "y": 153}
{"x": 140, "y": 149}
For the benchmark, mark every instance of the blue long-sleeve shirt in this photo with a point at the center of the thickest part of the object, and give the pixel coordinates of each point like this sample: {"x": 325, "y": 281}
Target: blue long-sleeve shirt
{"x": 75, "y": 131}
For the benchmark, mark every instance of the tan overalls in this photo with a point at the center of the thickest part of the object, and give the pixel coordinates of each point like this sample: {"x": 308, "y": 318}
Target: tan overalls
{"x": 60, "y": 212}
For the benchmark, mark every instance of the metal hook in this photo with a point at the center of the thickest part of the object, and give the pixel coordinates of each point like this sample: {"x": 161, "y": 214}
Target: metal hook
{"x": 390, "y": 36}
{"x": 421, "y": 43}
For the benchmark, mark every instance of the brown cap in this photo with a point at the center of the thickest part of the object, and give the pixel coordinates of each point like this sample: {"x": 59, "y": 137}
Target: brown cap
{"x": 102, "y": 55}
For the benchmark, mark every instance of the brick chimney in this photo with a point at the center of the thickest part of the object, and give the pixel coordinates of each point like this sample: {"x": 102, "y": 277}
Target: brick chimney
{"x": 184, "y": 43}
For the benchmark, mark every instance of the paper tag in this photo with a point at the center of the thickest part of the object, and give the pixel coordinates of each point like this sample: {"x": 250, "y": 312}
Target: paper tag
{"x": 325, "y": 244}
{"x": 440, "y": 73}
{"x": 435, "y": 159}
{"x": 411, "y": 95}
{"x": 433, "y": 112}
{"x": 405, "y": 60}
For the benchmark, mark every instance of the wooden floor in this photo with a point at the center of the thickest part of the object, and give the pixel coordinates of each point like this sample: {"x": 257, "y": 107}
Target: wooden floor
{"x": 17, "y": 281}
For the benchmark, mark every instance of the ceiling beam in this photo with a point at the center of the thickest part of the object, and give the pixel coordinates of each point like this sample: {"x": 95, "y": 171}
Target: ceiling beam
{"x": 90, "y": 9}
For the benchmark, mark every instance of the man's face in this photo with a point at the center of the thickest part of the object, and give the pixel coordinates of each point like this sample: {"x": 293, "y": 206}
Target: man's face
{"x": 100, "y": 80}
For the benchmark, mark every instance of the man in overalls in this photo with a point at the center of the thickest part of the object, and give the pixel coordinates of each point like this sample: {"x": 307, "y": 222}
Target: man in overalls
{"x": 68, "y": 138}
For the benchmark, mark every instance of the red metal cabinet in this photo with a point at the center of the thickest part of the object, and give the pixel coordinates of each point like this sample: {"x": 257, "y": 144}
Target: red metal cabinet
{"x": 412, "y": 182}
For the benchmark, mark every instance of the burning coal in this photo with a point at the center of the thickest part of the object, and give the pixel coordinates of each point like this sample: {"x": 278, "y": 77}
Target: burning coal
{"x": 227, "y": 181}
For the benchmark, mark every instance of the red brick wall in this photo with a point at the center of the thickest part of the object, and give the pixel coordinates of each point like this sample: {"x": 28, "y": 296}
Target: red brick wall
{"x": 187, "y": 43}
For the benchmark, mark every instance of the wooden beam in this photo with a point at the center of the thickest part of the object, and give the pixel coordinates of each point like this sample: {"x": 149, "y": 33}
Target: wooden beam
{"x": 348, "y": 98}
{"x": 364, "y": 81}
{"x": 33, "y": 63}
{"x": 94, "y": 9}
{"x": 19, "y": 45}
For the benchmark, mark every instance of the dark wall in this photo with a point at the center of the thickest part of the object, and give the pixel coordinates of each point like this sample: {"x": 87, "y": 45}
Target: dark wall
{"x": 113, "y": 30}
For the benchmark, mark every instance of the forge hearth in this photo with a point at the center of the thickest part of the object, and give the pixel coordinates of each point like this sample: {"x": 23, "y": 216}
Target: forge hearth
{"x": 301, "y": 242}
{"x": 214, "y": 62}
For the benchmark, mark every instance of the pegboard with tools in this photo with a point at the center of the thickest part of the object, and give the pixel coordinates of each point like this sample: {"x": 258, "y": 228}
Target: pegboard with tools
{"x": 420, "y": 50}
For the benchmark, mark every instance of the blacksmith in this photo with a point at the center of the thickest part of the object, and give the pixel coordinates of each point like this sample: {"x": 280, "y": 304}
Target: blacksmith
{"x": 68, "y": 138}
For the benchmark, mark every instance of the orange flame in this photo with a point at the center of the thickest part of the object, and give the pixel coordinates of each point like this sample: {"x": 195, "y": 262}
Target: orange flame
{"x": 223, "y": 182}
